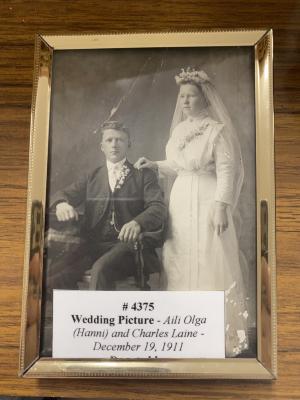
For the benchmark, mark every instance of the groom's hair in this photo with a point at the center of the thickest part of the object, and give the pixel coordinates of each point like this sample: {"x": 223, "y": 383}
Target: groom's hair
{"x": 118, "y": 126}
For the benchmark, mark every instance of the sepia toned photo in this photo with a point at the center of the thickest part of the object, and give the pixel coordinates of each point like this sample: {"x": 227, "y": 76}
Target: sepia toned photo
{"x": 151, "y": 183}
{"x": 151, "y": 177}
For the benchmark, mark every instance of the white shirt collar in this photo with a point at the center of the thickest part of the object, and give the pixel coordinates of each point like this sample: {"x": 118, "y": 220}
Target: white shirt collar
{"x": 118, "y": 165}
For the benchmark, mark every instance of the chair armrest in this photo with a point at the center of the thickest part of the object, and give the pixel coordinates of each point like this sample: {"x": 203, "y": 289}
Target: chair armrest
{"x": 62, "y": 232}
{"x": 155, "y": 238}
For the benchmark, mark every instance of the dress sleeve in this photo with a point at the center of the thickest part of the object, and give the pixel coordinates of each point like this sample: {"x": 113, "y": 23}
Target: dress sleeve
{"x": 224, "y": 161}
{"x": 167, "y": 167}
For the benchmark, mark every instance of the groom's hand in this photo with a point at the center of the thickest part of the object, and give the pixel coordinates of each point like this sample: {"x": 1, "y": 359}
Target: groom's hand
{"x": 130, "y": 232}
{"x": 65, "y": 212}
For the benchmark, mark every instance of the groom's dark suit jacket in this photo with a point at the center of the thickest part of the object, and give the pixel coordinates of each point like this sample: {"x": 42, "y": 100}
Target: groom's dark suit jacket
{"x": 139, "y": 198}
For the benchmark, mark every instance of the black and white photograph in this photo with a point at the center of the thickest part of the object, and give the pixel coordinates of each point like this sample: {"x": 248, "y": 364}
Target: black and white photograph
{"x": 151, "y": 182}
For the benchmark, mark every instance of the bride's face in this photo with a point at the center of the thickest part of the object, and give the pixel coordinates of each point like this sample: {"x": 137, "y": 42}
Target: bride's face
{"x": 192, "y": 99}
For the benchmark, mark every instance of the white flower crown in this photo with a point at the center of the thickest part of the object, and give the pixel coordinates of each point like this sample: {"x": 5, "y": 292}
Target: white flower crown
{"x": 191, "y": 75}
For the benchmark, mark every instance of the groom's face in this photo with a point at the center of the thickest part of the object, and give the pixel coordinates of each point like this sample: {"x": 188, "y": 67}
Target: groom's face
{"x": 114, "y": 145}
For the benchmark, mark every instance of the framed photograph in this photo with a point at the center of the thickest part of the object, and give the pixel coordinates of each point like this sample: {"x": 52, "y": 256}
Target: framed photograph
{"x": 150, "y": 241}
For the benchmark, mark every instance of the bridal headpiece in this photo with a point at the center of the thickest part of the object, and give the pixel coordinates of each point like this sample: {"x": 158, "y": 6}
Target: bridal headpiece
{"x": 191, "y": 75}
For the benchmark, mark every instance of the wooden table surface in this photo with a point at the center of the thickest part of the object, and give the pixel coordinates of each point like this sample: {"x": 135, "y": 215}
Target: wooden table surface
{"x": 19, "y": 21}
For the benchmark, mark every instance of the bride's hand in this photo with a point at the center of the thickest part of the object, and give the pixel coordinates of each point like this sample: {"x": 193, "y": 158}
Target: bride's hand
{"x": 143, "y": 162}
{"x": 220, "y": 218}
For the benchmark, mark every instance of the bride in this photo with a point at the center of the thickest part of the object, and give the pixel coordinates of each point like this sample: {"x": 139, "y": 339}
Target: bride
{"x": 201, "y": 251}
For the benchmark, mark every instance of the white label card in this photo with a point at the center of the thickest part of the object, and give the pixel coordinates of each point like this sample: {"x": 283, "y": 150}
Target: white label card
{"x": 95, "y": 324}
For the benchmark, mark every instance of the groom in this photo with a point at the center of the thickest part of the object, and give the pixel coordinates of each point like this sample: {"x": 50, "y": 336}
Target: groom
{"x": 120, "y": 202}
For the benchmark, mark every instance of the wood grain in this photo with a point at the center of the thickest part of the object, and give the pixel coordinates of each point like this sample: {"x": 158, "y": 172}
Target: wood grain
{"x": 19, "y": 21}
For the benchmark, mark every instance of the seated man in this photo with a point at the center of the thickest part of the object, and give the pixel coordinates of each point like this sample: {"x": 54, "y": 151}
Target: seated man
{"x": 120, "y": 202}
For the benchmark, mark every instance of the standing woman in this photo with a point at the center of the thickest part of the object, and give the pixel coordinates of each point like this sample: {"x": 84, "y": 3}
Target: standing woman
{"x": 201, "y": 251}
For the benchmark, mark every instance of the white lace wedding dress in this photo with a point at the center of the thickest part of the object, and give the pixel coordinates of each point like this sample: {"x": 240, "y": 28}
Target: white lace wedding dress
{"x": 194, "y": 256}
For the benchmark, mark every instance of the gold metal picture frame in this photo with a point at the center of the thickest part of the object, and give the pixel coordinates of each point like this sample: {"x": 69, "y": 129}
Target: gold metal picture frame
{"x": 33, "y": 364}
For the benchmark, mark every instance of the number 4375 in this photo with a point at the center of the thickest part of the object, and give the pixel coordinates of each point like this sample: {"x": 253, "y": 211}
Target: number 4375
{"x": 139, "y": 306}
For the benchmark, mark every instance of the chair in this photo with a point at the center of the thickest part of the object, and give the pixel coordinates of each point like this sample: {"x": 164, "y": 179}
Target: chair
{"x": 157, "y": 242}
{"x": 62, "y": 237}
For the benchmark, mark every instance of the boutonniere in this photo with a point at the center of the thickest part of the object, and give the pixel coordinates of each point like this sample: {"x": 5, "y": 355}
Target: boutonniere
{"x": 122, "y": 176}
